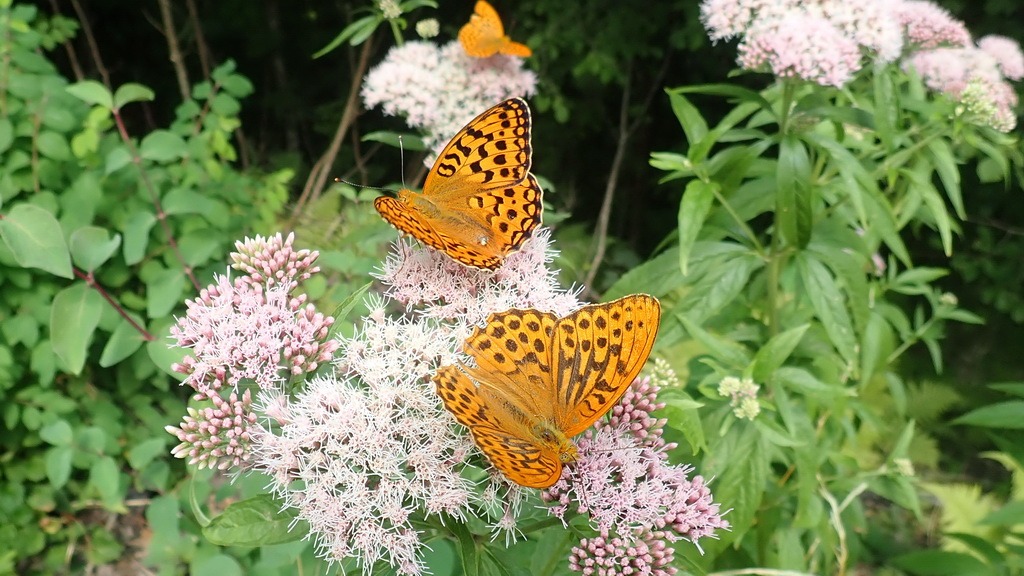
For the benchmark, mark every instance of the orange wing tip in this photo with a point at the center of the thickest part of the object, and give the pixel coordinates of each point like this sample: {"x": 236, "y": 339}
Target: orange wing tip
{"x": 517, "y": 49}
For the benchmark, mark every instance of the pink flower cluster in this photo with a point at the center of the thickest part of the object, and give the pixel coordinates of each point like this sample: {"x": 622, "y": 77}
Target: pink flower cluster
{"x": 438, "y": 89}
{"x": 250, "y": 329}
{"x": 825, "y": 41}
{"x": 972, "y": 77}
{"x": 928, "y": 25}
{"x": 637, "y": 501}
{"x": 822, "y": 41}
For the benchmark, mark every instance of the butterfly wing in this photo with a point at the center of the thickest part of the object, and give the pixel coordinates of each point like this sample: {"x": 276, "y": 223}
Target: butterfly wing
{"x": 502, "y": 440}
{"x": 491, "y": 152}
{"x": 600, "y": 349}
{"x": 479, "y": 201}
{"x": 483, "y": 35}
{"x": 513, "y": 352}
{"x": 513, "y": 48}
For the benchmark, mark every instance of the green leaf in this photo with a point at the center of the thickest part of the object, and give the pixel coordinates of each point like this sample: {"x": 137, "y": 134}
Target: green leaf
{"x": 6, "y": 136}
{"x": 467, "y": 549}
{"x": 164, "y": 291}
{"x": 772, "y": 355}
{"x": 793, "y": 198}
{"x": 91, "y": 246}
{"x": 216, "y": 565}
{"x": 117, "y": 158}
{"x": 342, "y": 310}
{"x": 1008, "y": 415}
{"x": 921, "y": 185}
{"x": 73, "y": 319}
{"x": 682, "y": 414}
{"x": 361, "y": 29}
{"x": 35, "y": 239}
{"x": 657, "y": 277}
{"x": 163, "y": 146}
{"x": 162, "y": 351}
{"x": 58, "y": 465}
{"x": 940, "y": 563}
{"x": 105, "y": 477}
{"x": 739, "y": 462}
{"x": 1010, "y": 515}
{"x": 720, "y": 285}
{"x": 53, "y": 145}
{"x": 694, "y": 126}
{"x": 404, "y": 140}
{"x": 258, "y": 521}
{"x": 136, "y": 236}
{"x": 124, "y": 341}
{"x": 140, "y": 455}
{"x": 829, "y": 305}
{"x": 58, "y": 433}
{"x": 949, "y": 173}
{"x": 723, "y": 349}
{"x": 132, "y": 92}
{"x": 693, "y": 209}
{"x": 92, "y": 92}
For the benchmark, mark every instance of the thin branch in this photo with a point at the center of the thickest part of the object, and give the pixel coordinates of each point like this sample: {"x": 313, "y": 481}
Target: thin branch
{"x": 625, "y": 131}
{"x": 174, "y": 48}
{"x": 202, "y": 49}
{"x": 94, "y": 48}
{"x": 69, "y": 47}
{"x": 318, "y": 175}
{"x": 90, "y": 281}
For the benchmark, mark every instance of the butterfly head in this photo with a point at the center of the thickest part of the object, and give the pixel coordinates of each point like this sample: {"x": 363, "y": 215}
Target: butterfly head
{"x": 551, "y": 437}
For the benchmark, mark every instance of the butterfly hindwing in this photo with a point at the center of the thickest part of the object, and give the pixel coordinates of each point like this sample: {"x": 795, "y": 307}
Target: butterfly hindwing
{"x": 504, "y": 441}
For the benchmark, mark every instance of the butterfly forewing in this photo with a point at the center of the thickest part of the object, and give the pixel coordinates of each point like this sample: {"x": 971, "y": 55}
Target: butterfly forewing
{"x": 479, "y": 202}
{"x": 492, "y": 151}
{"x": 600, "y": 349}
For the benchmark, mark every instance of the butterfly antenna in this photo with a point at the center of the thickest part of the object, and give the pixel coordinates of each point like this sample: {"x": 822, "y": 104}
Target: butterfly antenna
{"x": 343, "y": 181}
{"x": 401, "y": 158}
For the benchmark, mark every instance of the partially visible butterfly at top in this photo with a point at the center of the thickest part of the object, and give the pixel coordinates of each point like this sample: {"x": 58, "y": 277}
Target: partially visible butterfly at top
{"x": 484, "y": 36}
{"x": 479, "y": 201}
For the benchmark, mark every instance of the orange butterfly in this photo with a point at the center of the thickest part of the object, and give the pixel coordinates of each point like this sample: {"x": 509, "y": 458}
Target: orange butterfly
{"x": 484, "y": 35}
{"x": 539, "y": 380}
{"x": 479, "y": 201}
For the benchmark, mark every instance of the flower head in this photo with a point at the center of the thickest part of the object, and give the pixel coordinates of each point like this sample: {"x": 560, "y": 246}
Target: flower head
{"x": 249, "y": 330}
{"x": 428, "y": 28}
{"x": 440, "y": 89}
{"x": 636, "y": 500}
{"x": 1007, "y": 54}
{"x": 801, "y": 45}
{"x": 742, "y": 396}
{"x": 928, "y": 25}
{"x": 972, "y": 77}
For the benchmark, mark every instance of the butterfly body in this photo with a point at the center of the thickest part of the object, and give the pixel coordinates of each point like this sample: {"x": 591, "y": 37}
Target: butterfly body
{"x": 539, "y": 380}
{"x": 479, "y": 201}
{"x": 484, "y": 35}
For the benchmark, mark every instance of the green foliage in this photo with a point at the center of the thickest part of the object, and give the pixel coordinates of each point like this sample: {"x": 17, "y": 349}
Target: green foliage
{"x": 104, "y": 233}
{"x": 776, "y": 274}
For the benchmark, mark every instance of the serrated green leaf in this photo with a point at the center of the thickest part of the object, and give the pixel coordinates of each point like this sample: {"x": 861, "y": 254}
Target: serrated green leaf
{"x": 829, "y": 305}
{"x": 793, "y": 197}
{"x": 35, "y": 239}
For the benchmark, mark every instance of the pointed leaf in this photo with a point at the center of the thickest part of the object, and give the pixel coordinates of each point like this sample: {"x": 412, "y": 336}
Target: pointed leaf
{"x": 91, "y": 246}
{"x": 258, "y": 521}
{"x": 35, "y": 239}
{"x": 73, "y": 319}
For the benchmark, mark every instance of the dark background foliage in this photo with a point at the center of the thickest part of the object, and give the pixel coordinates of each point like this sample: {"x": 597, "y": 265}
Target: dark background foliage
{"x": 602, "y": 64}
